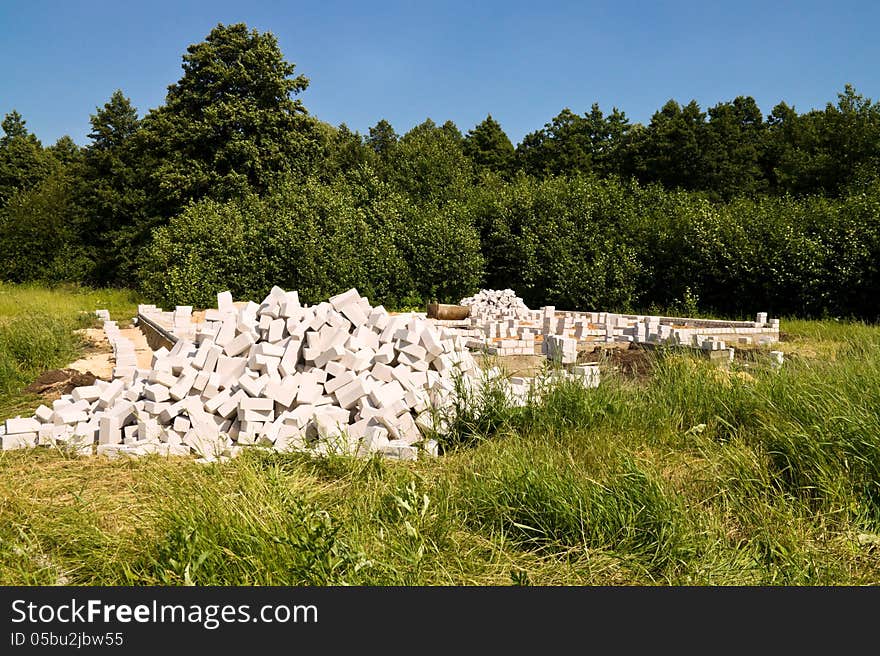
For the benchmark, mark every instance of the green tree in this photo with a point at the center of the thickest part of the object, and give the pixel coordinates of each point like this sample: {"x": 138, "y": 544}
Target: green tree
{"x": 111, "y": 195}
{"x": 562, "y": 147}
{"x": 672, "y": 147}
{"x": 429, "y": 164}
{"x": 489, "y": 147}
{"x": 23, "y": 161}
{"x": 823, "y": 151}
{"x": 382, "y": 138}
{"x": 66, "y": 151}
{"x": 572, "y": 144}
{"x": 734, "y": 141}
{"x": 230, "y": 125}
{"x": 346, "y": 152}
{"x": 39, "y": 235}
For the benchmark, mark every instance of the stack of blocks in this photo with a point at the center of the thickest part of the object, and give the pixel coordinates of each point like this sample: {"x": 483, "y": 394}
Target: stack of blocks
{"x": 563, "y": 349}
{"x": 123, "y": 350}
{"x": 497, "y": 304}
{"x": 341, "y": 376}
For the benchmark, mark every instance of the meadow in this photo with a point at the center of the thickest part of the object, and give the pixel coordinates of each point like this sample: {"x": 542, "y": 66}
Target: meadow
{"x": 690, "y": 475}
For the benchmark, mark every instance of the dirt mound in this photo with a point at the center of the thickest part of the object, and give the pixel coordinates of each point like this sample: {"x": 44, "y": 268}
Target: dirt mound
{"x": 632, "y": 362}
{"x": 56, "y": 382}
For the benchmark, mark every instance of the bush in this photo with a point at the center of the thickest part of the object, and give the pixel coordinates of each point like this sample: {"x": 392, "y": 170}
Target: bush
{"x": 39, "y": 238}
{"x": 318, "y": 239}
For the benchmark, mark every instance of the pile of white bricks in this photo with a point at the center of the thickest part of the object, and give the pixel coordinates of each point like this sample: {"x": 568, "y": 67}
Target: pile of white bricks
{"x": 341, "y": 376}
{"x": 522, "y": 335}
{"x": 496, "y": 304}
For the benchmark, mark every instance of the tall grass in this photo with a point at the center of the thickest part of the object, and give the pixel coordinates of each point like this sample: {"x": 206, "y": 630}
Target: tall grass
{"x": 65, "y": 300}
{"x": 747, "y": 475}
{"x": 30, "y": 344}
{"x": 37, "y": 332}
{"x": 538, "y": 494}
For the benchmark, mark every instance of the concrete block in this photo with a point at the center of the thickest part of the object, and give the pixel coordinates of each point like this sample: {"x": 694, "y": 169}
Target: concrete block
{"x": 342, "y": 379}
{"x": 50, "y": 434}
{"x": 110, "y": 393}
{"x": 260, "y": 404}
{"x": 385, "y": 354}
{"x": 183, "y": 385}
{"x": 230, "y": 369}
{"x": 309, "y": 388}
{"x": 201, "y": 381}
{"x": 109, "y": 431}
{"x": 415, "y": 351}
{"x": 335, "y": 414}
{"x": 18, "y": 441}
{"x": 386, "y": 394}
{"x": 239, "y": 344}
{"x": 399, "y": 450}
{"x": 300, "y": 416}
{"x": 213, "y": 404}
{"x": 252, "y": 385}
{"x": 382, "y": 372}
{"x": 148, "y": 430}
{"x": 375, "y": 437}
{"x": 22, "y": 425}
{"x": 348, "y": 395}
{"x": 165, "y": 378}
{"x": 169, "y": 412}
{"x": 88, "y": 393}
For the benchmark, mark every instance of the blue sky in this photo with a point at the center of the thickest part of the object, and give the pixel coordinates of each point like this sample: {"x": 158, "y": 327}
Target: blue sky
{"x": 520, "y": 61}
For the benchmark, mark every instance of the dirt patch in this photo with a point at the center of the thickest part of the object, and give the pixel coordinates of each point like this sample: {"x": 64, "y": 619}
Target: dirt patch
{"x": 55, "y": 382}
{"x": 514, "y": 365}
{"x": 97, "y": 354}
{"x": 636, "y": 363}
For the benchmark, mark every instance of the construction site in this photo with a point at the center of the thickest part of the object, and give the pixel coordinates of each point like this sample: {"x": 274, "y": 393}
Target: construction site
{"x": 341, "y": 376}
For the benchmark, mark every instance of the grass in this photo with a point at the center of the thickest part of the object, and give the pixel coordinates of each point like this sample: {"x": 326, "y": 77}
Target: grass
{"x": 37, "y": 332}
{"x": 693, "y": 475}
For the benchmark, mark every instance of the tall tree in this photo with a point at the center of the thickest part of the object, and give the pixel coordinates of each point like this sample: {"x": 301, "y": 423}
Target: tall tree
{"x": 66, "y": 151}
{"x": 111, "y": 195}
{"x": 23, "y": 161}
{"x": 571, "y": 143}
{"x": 382, "y": 138}
{"x": 672, "y": 147}
{"x": 346, "y": 151}
{"x": 489, "y": 147}
{"x": 824, "y": 151}
{"x": 734, "y": 141}
{"x": 429, "y": 164}
{"x": 230, "y": 125}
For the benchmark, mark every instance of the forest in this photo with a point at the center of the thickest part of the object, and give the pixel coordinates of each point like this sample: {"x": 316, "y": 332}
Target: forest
{"x": 233, "y": 184}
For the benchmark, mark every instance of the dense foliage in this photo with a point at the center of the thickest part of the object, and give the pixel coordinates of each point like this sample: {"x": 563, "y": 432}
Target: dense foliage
{"x": 232, "y": 184}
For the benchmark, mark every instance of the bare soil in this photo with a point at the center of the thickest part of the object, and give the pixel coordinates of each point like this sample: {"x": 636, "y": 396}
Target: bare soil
{"x": 636, "y": 363}
{"x": 53, "y": 383}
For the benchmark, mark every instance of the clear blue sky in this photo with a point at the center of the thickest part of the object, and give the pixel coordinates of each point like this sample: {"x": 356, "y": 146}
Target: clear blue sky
{"x": 520, "y": 61}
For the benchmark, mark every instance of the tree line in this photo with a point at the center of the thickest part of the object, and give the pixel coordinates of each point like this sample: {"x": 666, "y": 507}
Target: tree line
{"x": 232, "y": 183}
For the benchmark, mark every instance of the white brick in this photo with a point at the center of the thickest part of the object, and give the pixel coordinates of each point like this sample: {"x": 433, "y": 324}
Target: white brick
{"x": 109, "y": 431}
{"x": 22, "y": 425}
{"x": 86, "y": 393}
{"x": 239, "y": 344}
{"x": 18, "y": 441}
{"x": 340, "y": 380}
{"x": 387, "y": 394}
{"x": 348, "y": 395}
{"x": 260, "y": 404}
{"x": 253, "y": 386}
{"x": 110, "y": 393}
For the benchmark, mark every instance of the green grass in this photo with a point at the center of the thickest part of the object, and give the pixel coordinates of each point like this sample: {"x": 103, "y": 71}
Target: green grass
{"x": 695, "y": 475}
{"x": 65, "y": 301}
{"x": 37, "y": 332}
